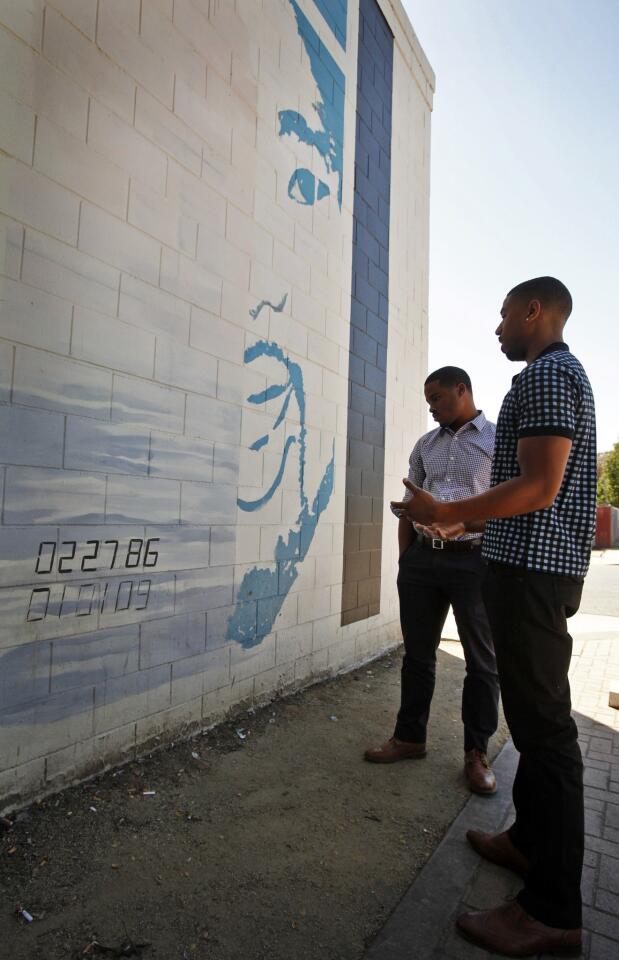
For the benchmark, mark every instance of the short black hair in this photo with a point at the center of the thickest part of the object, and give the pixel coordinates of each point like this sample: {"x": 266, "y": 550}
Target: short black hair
{"x": 548, "y": 290}
{"x": 450, "y": 377}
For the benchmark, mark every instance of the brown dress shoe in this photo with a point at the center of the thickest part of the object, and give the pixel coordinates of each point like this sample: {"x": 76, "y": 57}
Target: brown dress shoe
{"x": 478, "y": 775}
{"x": 509, "y": 930}
{"x": 499, "y": 849}
{"x": 393, "y": 750}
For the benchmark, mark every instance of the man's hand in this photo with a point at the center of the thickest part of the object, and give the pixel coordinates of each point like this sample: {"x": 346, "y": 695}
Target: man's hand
{"x": 442, "y": 531}
{"x": 421, "y": 507}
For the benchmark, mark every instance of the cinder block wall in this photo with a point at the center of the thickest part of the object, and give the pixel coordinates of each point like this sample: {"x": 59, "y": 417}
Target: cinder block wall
{"x": 177, "y": 227}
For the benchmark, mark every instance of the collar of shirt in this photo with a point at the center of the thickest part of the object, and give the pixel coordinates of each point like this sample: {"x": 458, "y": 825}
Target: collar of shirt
{"x": 552, "y": 348}
{"x": 479, "y": 422}
{"x": 555, "y": 347}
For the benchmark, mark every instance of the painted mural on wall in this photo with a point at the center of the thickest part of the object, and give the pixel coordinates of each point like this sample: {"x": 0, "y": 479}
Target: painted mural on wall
{"x": 264, "y": 589}
{"x": 99, "y": 574}
{"x": 335, "y": 13}
{"x": 326, "y": 138}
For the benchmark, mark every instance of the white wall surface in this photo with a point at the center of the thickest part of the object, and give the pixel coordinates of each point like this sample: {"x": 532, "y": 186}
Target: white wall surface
{"x": 144, "y": 212}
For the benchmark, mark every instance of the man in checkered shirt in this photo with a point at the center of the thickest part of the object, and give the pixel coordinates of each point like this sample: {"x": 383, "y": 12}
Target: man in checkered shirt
{"x": 450, "y": 462}
{"x": 541, "y": 513}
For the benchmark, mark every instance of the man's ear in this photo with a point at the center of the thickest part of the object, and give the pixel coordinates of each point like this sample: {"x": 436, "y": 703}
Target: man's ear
{"x": 534, "y": 310}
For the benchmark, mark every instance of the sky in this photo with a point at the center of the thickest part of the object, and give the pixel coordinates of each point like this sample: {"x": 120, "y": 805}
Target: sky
{"x": 524, "y": 179}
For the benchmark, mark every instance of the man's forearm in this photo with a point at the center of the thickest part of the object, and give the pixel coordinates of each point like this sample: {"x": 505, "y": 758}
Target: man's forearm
{"x": 511, "y": 498}
{"x": 475, "y": 526}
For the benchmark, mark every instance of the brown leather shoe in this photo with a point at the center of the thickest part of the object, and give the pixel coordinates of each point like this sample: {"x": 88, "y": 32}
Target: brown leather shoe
{"x": 509, "y": 930}
{"x": 477, "y": 773}
{"x": 393, "y": 750}
{"x": 498, "y": 848}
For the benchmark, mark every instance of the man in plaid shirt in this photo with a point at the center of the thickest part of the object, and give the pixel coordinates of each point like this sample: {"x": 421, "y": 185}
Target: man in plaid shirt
{"x": 450, "y": 462}
{"x": 540, "y": 513}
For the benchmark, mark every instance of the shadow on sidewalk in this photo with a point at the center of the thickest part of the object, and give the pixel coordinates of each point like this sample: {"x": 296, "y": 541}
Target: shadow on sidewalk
{"x": 455, "y": 879}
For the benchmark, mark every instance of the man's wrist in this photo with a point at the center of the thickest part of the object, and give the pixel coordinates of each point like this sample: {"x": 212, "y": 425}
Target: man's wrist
{"x": 446, "y": 513}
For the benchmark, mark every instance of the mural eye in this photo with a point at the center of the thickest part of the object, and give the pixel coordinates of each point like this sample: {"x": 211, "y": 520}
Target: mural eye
{"x": 302, "y": 187}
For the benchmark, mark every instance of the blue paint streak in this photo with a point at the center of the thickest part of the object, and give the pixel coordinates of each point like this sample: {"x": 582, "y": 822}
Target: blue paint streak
{"x": 263, "y": 589}
{"x": 255, "y": 313}
{"x": 260, "y": 442}
{"x": 292, "y": 122}
{"x": 328, "y": 139}
{"x": 269, "y": 394}
{"x": 335, "y": 13}
{"x": 250, "y": 505}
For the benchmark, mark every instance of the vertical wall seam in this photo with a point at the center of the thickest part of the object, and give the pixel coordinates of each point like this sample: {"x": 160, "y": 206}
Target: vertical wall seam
{"x": 367, "y": 375}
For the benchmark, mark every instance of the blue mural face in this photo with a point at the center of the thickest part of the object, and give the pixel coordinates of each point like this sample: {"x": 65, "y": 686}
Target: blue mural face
{"x": 335, "y": 13}
{"x": 326, "y": 138}
{"x": 263, "y": 590}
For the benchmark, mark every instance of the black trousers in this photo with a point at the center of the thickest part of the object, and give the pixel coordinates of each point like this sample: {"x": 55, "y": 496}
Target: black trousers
{"x": 428, "y": 582}
{"x": 527, "y": 613}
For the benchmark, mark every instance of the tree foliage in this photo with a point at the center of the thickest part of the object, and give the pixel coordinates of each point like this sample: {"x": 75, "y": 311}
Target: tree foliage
{"x": 608, "y": 478}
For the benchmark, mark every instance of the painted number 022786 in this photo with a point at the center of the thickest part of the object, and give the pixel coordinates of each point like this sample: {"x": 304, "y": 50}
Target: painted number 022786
{"x": 71, "y": 557}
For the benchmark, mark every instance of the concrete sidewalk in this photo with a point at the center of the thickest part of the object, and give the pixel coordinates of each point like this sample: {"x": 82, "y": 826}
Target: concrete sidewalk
{"x": 456, "y": 879}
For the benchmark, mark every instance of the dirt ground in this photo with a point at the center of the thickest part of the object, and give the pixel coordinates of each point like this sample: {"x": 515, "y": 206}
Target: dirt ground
{"x": 281, "y": 845}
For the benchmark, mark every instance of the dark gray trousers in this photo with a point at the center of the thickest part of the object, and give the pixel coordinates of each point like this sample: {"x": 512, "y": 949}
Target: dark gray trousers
{"x": 428, "y": 582}
{"x": 528, "y": 614}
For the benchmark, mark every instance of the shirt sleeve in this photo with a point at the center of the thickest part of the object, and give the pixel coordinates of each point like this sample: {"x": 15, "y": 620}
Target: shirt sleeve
{"x": 547, "y": 401}
{"x": 416, "y": 474}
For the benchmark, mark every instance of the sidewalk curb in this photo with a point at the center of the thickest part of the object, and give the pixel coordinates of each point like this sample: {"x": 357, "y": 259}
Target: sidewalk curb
{"x": 418, "y": 923}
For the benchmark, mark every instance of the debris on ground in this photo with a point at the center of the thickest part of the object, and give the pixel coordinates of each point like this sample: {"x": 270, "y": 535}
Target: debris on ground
{"x": 197, "y": 761}
{"x": 128, "y": 948}
{"x": 281, "y": 822}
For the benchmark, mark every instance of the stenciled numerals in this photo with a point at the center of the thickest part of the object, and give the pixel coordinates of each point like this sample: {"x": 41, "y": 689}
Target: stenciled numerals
{"x": 66, "y": 558}
{"x": 66, "y": 598}
{"x": 113, "y": 560}
{"x": 87, "y": 599}
{"x": 95, "y": 555}
{"x": 134, "y": 553}
{"x": 91, "y": 556}
{"x": 45, "y": 559}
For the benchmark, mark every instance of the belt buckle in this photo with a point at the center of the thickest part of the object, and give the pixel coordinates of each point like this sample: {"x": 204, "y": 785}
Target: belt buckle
{"x": 437, "y": 543}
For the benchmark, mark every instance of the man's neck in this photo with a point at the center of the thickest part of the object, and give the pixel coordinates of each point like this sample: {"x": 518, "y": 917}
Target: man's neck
{"x": 464, "y": 418}
{"x": 536, "y": 348}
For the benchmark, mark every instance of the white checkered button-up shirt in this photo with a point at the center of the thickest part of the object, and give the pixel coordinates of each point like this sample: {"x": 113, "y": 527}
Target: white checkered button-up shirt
{"x": 453, "y": 465}
{"x": 550, "y": 397}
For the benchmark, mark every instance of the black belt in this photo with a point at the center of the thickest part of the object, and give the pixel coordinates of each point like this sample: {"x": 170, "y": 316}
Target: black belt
{"x": 454, "y": 546}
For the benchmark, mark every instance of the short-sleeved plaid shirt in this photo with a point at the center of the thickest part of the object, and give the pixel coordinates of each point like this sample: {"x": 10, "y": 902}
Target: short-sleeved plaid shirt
{"x": 551, "y": 397}
{"x": 453, "y": 464}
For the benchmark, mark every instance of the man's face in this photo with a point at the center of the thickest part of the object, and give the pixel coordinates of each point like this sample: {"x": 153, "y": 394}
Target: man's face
{"x": 445, "y": 403}
{"x": 512, "y": 330}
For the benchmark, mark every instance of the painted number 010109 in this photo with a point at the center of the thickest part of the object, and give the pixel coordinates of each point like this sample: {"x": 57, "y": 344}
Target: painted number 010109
{"x": 95, "y": 555}
{"x": 87, "y": 599}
